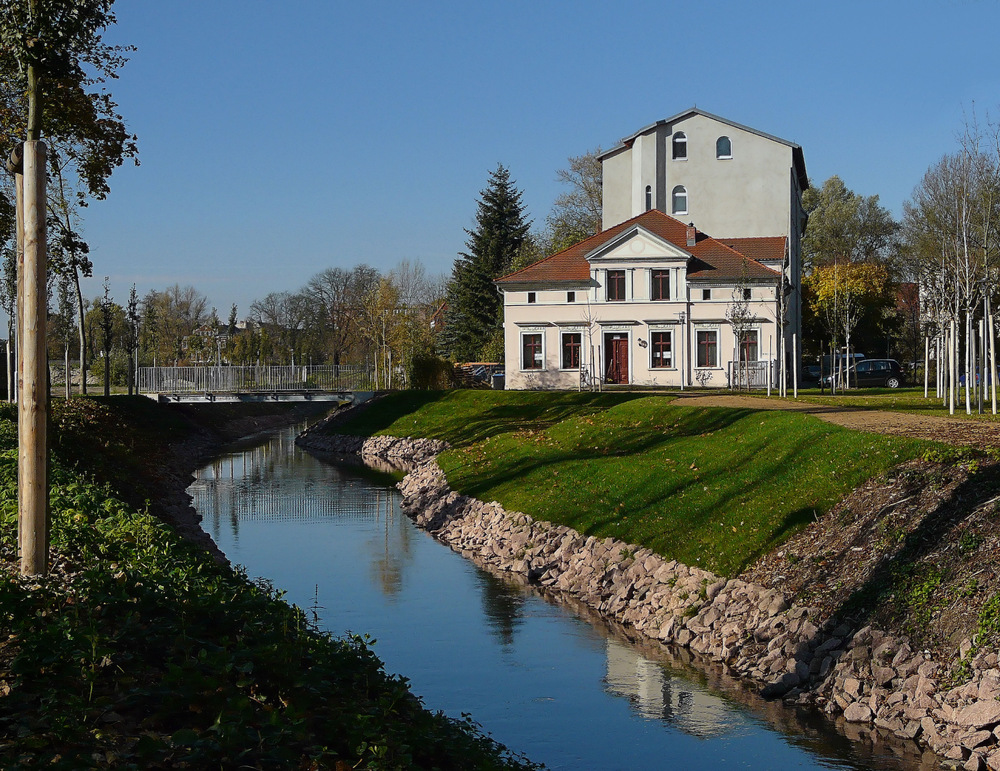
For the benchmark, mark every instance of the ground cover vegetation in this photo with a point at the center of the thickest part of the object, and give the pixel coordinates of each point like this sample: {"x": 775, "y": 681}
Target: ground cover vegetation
{"x": 711, "y": 487}
{"x": 913, "y": 552}
{"x": 140, "y": 651}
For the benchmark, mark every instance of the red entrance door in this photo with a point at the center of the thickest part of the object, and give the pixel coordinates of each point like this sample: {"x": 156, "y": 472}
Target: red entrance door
{"x": 616, "y": 358}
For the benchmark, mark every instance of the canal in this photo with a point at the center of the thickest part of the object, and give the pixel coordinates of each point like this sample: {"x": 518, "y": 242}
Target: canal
{"x": 540, "y": 676}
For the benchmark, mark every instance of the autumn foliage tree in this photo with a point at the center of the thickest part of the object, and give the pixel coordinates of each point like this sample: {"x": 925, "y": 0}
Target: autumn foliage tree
{"x": 845, "y": 293}
{"x": 577, "y": 211}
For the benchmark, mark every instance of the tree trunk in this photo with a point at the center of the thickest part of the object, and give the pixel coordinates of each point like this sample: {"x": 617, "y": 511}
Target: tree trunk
{"x": 32, "y": 488}
{"x": 83, "y": 332}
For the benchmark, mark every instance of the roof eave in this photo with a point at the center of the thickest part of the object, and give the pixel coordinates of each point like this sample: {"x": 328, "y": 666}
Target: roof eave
{"x": 624, "y": 143}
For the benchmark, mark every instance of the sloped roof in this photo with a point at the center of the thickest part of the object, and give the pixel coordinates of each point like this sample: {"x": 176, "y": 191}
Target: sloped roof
{"x": 797, "y": 156}
{"x": 759, "y": 247}
{"x": 712, "y": 259}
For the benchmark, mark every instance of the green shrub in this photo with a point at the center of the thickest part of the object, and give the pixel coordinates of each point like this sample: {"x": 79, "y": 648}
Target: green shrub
{"x": 430, "y": 372}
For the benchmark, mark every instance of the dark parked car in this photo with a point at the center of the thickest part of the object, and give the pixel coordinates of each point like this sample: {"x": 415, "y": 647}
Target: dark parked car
{"x": 873, "y": 373}
{"x": 810, "y": 375}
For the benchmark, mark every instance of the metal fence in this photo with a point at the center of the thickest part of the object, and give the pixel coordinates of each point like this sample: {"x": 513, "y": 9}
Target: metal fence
{"x": 748, "y": 375}
{"x": 224, "y": 379}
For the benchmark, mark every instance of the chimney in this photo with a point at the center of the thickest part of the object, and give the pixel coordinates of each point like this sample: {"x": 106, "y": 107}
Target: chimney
{"x": 692, "y": 234}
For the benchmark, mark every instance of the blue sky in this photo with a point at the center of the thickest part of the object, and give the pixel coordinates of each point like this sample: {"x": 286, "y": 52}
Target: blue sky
{"x": 281, "y": 138}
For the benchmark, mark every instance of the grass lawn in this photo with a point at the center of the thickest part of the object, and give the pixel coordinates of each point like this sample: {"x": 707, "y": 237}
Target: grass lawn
{"x": 895, "y": 400}
{"x": 711, "y": 487}
{"x": 462, "y": 417}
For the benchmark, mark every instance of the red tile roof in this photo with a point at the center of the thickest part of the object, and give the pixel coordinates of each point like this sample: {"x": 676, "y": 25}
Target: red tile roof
{"x": 760, "y": 248}
{"x": 712, "y": 258}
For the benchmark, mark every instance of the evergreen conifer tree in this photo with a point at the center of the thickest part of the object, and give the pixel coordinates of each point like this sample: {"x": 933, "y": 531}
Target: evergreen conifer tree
{"x": 475, "y": 311}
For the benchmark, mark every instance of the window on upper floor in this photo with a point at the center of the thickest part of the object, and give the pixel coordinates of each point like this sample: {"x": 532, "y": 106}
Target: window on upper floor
{"x": 723, "y": 147}
{"x": 659, "y": 284}
{"x": 706, "y": 294}
{"x": 747, "y": 293}
{"x": 532, "y": 297}
{"x": 649, "y": 197}
{"x": 571, "y": 297}
{"x": 679, "y": 146}
{"x": 616, "y": 285}
{"x": 679, "y": 200}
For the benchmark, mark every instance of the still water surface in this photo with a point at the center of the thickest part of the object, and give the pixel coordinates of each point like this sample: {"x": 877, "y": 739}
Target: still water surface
{"x": 567, "y": 692}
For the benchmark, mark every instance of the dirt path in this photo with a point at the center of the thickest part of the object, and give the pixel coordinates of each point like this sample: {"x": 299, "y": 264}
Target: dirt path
{"x": 973, "y": 433}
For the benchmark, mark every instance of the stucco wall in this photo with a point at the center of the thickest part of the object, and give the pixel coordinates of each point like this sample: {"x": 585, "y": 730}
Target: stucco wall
{"x": 746, "y": 195}
{"x": 617, "y": 189}
{"x": 550, "y": 316}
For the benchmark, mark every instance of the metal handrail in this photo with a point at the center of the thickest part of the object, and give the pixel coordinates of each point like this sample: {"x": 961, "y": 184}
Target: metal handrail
{"x": 250, "y": 379}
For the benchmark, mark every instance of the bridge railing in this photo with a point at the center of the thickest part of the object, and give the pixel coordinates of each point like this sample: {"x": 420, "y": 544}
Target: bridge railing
{"x": 250, "y": 379}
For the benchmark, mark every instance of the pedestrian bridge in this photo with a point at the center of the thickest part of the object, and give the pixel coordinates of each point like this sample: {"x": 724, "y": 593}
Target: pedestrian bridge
{"x": 290, "y": 383}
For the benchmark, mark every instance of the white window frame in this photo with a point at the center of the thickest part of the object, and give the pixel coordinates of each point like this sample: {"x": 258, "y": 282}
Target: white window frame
{"x": 718, "y": 344}
{"x": 673, "y": 349}
{"x": 739, "y": 345}
{"x": 674, "y": 200}
{"x": 720, "y": 156}
{"x": 670, "y": 285}
{"x": 520, "y": 349}
{"x": 677, "y": 139}
{"x": 607, "y": 284}
{"x": 562, "y": 334}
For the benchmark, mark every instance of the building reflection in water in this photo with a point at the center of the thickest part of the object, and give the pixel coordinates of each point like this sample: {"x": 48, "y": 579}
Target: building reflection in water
{"x": 659, "y": 695}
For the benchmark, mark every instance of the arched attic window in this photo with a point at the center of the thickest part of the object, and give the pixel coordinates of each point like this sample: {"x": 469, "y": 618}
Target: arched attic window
{"x": 723, "y": 147}
{"x": 679, "y": 200}
{"x": 649, "y": 197}
{"x": 680, "y": 146}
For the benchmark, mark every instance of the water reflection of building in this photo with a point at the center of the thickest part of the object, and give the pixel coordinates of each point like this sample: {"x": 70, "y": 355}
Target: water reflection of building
{"x": 659, "y": 695}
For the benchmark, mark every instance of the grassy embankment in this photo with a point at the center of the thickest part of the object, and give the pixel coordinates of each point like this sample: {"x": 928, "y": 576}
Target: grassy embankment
{"x": 141, "y": 652}
{"x": 707, "y": 486}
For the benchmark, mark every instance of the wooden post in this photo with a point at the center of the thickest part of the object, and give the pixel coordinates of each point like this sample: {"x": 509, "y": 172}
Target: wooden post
{"x": 993, "y": 364}
{"x": 795, "y": 365}
{"x": 952, "y": 367}
{"x": 770, "y": 365}
{"x": 32, "y": 482}
{"x": 16, "y": 166}
{"x": 927, "y": 363}
{"x": 782, "y": 380}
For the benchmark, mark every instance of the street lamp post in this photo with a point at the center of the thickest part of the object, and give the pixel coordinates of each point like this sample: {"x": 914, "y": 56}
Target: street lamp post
{"x": 682, "y": 316}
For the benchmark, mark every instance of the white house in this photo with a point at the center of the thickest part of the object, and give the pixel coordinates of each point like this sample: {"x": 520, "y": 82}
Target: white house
{"x": 650, "y": 300}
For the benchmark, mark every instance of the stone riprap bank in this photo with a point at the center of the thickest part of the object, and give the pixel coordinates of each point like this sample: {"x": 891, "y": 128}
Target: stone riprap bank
{"x": 876, "y": 684}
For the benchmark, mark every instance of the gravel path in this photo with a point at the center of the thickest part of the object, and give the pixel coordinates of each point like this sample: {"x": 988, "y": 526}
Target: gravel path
{"x": 973, "y": 433}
